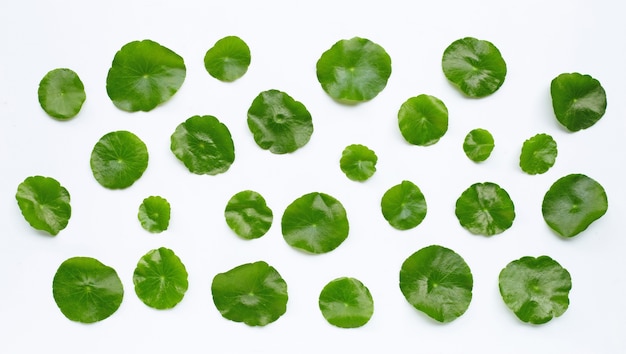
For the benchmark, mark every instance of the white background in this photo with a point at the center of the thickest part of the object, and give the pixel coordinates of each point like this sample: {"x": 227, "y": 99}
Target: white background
{"x": 538, "y": 39}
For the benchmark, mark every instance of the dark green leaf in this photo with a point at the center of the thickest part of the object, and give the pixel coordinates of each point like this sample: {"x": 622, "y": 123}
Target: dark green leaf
{"x": 228, "y": 59}
{"x": 538, "y": 154}
{"x": 154, "y": 214}
{"x": 61, "y": 93}
{"x": 248, "y": 215}
{"x": 346, "y": 303}
{"x": 423, "y": 120}
{"x": 44, "y": 203}
{"x": 478, "y": 145}
{"x": 358, "y": 162}
{"x": 579, "y": 101}
{"x": 160, "y": 279}
{"x": 485, "y": 209}
{"x": 404, "y": 206}
{"x": 119, "y": 159}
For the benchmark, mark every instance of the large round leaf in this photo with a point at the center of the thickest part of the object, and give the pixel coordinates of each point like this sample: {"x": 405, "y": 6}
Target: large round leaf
{"x": 485, "y": 209}
{"x": 248, "y": 215}
{"x": 572, "y": 203}
{"x": 154, "y": 214}
{"x": 143, "y": 75}
{"x": 423, "y": 120}
{"x": 438, "y": 282}
{"x": 315, "y": 223}
{"x": 85, "y": 290}
{"x": 346, "y": 303}
{"x": 279, "y": 123}
{"x": 61, "y": 93}
{"x": 119, "y": 159}
{"x": 44, "y": 203}
{"x": 404, "y": 205}
{"x": 252, "y": 293}
{"x": 358, "y": 162}
{"x": 228, "y": 59}
{"x": 579, "y": 101}
{"x": 478, "y": 145}
{"x": 160, "y": 279}
{"x": 204, "y": 145}
{"x": 535, "y": 289}
{"x": 354, "y": 70}
{"x": 538, "y": 154}
{"x": 475, "y": 66}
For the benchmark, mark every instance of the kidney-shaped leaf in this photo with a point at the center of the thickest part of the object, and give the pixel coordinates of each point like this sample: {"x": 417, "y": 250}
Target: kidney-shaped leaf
{"x": 358, "y": 162}
{"x": 44, "y": 203}
{"x": 438, "y": 282}
{"x": 154, "y": 214}
{"x": 404, "y": 205}
{"x": 478, "y": 145}
{"x": 61, "y": 93}
{"x": 485, "y": 209}
{"x": 538, "y": 154}
{"x": 119, "y": 159}
{"x": 423, "y": 120}
{"x": 579, "y": 101}
{"x": 228, "y": 59}
{"x": 248, "y": 215}
{"x": 252, "y": 293}
{"x": 160, "y": 279}
{"x": 346, "y": 303}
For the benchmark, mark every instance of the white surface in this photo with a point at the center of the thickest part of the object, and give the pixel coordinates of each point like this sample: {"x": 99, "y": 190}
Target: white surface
{"x": 538, "y": 39}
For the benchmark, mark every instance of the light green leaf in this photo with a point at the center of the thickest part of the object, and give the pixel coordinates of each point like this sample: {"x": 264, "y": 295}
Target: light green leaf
{"x": 478, "y": 145}
{"x": 248, "y": 215}
{"x": 404, "y": 206}
{"x": 358, "y": 162}
{"x": 119, "y": 159}
{"x": 579, "y": 101}
{"x": 346, "y": 303}
{"x": 538, "y": 154}
{"x": 228, "y": 59}
{"x": 61, "y": 93}
{"x": 423, "y": 120}
{"x": 485, "y": 209}
{"x": 44, "y": 203}
{"x": 154, "y": 214}
{"x": 160, "y": 279}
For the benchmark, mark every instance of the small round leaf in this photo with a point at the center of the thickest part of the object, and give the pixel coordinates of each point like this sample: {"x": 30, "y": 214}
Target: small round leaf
{"x": 61, "y": 93}
{"x": 579, "y": 101}
{"x": 485, "y": 209}
{"x": 160, "y": 279}
{"x": 154, "y": 214}
{"x": 438, "y": 282}
{"x": 354, "y": 70}
{"x": 248, "y": 215}
{"x": 346, "y": 303}
{"x": 315, "y": 223}
{"x": 228, "y": 59}
{"x": 279, "y": 123}
{"x": 535, "y": 289}
{"x": 204, "y": 145}
{"x": 143, "y": 75}
{"x": 475, "y": 66}
{"x": 404, "y": 206}
{"x": 119, "y": 159}
{"x": 358, "y": 162}
{"x": 573, "y": 203}
{"x": 252, "y": 293}
{"x": 44, "y": 203}
{"x": 478, "y": 145}
{"x": 423, "y": 120}
{"x": 538, "y": 154}
{"x": 85, "y": 290}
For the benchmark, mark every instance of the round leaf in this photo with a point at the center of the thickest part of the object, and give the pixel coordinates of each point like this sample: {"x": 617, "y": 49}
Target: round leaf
{"x": 85, "y": 290}
{"x": 119, "y": 159}
{"x": 354, "y": 70}
{"x": 346, "y": 303}
{"x": 538, "y": 154}
{"x": 228, "y": 59}
{"x": 204, "y": 145}
{"x": 478, "y": 145}
{"x": 160, "y": 279}
{"x": 475, "y": 66}
{"x": 579, "y": 101}
{"x": 572, "y": 203}
{"x": 61, "y": 93}
{"x": 358, "y": 162}
{"x": 485, "y": 209}
{"x": 154, "y": 214}
{"x": 252, "y": 293}
{"x": 438, "y": 282}
{"x": 535, "y": 289}
{"x": 279, "y": 123}
{"x": 143, "y": 75}
{"x": 315, "y": 223}
{"x": 404, "y": 206}
{"x": 44, "y": 203}
{"x": 423, "y": 120}
{"x": 248, "y": 215}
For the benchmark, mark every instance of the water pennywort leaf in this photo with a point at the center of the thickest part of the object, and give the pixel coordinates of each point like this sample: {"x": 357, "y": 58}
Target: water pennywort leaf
{"x": 404, "y": 206}
{"x": 154, "y": 214}
{"x": 485, "y": 209}
{"x": 44, "y": 203}
{"x": 228, "y": 59}
{"x": 347, "y": 303}
{"x": 160, "y": 279}
{"x": 478, "y": 145}
{"x": 579, "y": 101}
{"x": 538, "y": 154}
{"x": 248, "y": 215}
{"x": 119, "y": 159}
{"x": 61, "y": 93}
{"x": 358, "y": 162}
{"x": 423, "y": 120}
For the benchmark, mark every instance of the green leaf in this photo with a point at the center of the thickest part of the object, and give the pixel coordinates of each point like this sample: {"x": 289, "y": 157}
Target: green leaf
{"x": 252, "y": 293}
{"x": 204, "y": 145}
{"x": 44, "y": 203}
{"x": 85, "y": 290}
{"x": 143, "y": 75}
{"x": 228, "y": 59}
{"x": 573, "y": 203}
{"x": 579, "y": 101}
{"x": 248, "y": 215}
{"x": 535, "y": 289}
{"x": 404, "y": 206}
{"x": 119, "y": 159}
{"x": 279, "y": 123}
{"x": 160, "y": 279}
{"x": 478, "y": 145}
{"x": 475, "y": 66}
{"x": 315, "y": 223}
{"x": 154, "y": 214}
{"x": 438, "y": 282}
{"x": 61, "y": 93}
{"x": 423, "y": 120}
{"x": 485, "y": 209}
{"x": 354, "y": 70}
{"x": 538, "y": 154}
{"x": 346, "y": 303}
{"x": 358, "y": 162}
